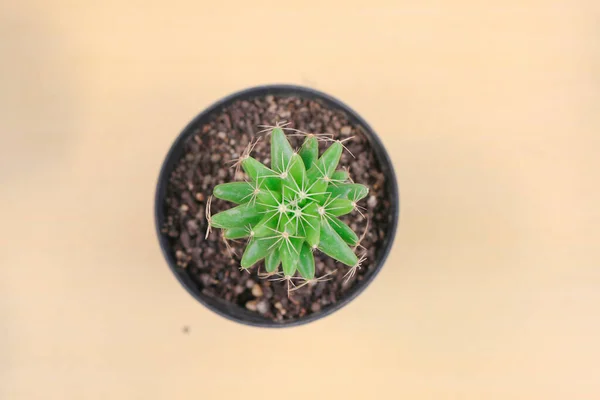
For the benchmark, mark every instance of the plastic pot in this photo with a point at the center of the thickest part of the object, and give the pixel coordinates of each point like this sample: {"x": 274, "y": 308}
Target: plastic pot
{"x": 233, "y": 311}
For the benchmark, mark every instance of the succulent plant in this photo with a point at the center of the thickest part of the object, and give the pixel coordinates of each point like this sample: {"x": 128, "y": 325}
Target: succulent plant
{"x": 292, "y": 208}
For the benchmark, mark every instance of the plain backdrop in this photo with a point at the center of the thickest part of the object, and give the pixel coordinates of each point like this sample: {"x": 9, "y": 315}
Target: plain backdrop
{"x": 489, "y": 109}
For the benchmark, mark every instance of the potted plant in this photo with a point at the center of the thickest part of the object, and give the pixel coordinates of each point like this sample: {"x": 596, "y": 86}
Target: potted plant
{"x": 302, "y": 238}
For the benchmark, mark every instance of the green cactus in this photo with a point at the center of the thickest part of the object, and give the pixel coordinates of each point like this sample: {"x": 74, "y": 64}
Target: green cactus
{"x": 289, "y": 210}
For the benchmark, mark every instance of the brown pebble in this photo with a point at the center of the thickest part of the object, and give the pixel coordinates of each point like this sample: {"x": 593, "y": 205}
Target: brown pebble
{"x": 279, "y": 306}
{"x": 186, "y": 241}
{"x": 239, "y": 176}
{"x": 183, "y": 208}
{"x": 251, "y": 305}
{"x": 346, "y": 130}
{"x": 206, "y": 279}
{"x": 192, "y": 226}
{"x": 200, "y": 196}
{"x": 372, "y": 202}
{"x": 262, "y": 307}
{"x": 222, "y": 135}
{"x": 215, "y": 157}
{"x": 315, "y": 307}
{"x": 250, "y": 283}
{"x": 196, "y": 256}
{"x": 238, "y": 289}
{"x": 257, "y": 290}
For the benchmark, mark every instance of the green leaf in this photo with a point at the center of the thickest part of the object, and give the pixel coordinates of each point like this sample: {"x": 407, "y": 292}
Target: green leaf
{"x": 235, "y": 192}
{"x": 237, "y": 217}
{"x": 334, "y": 246}
{"x": 297, "y": 174}
{"x": 236, "y": 233}
{"x": 309, "y": 151}
{"x": 339, "y": 207}
{"x": 258, "y": 172}
{"x": 350, "y": 191}
{"x": 281, "y": 150}
{"x": 306, "y": 262}
{"x": 340, "y": 175}
{"x": 272, "y": 261}
{"x": 286, "y": 224}
{"x": 312, "y": 225}
{"x": 290, "y": 254}
{"x": 257, "y": 249}
{"x": 344, "y": 231}
{"x": 324, "y": 167}
{"x": 266, "y": 226}
{"x": 269, "y": 197}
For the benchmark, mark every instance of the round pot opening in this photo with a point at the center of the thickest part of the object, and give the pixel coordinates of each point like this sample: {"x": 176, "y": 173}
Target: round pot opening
{"x": 201, "y": 157}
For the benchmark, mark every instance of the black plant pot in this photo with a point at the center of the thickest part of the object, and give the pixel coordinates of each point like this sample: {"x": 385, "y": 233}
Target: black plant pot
{"x": 233, "y": 311}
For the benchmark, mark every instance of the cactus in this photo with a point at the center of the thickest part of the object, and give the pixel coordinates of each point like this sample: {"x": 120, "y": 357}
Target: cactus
{"x": 292, "y": 208}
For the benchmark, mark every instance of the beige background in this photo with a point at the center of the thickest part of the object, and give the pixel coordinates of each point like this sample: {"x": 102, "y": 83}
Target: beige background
{"x": 489, "y": 111}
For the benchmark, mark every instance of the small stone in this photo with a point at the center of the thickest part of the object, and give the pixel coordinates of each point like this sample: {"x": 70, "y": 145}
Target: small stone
{"x": 239, "y": 175}
{"x": 192, "y": 226}
{"x": 279, "y": 306}
{"x": 183, "y": 208}
{"x": 206, "y": 181}
{"x": 250, "y": 283}
{"x": 197, "y": 256}
{"x": 269, "y": 98}
{"x": 232, "y": 142}
{"x": 268, "y": 292}
{"x": 315, "y": 307}
{"x": 222, "y": 135}
{"x": 215, "y": 157}
{"x": 200, "y": 196}
{"x": 238, "y": 289}
{"x": 251, "y": 305}
{"x": 222, "y": 173}
{"x": 257, "y": 290}
{"x": 186, "y": 241}
{"x": 346, "y": 130}
{"x": 206, "y": 279}
{"x": 372, "y": 202}
{"x": 262, "y": 307}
